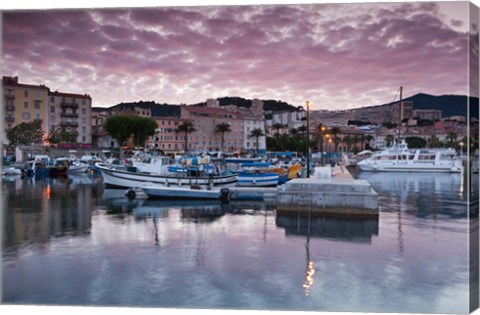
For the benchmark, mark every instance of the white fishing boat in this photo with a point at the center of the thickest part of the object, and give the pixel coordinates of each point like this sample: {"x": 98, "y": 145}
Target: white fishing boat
{"x": 399, "y": 158}
{"x": 121, "y": 176}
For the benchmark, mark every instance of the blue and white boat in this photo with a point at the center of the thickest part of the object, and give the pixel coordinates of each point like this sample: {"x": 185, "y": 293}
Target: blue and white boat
{"x": 258, "y": 178}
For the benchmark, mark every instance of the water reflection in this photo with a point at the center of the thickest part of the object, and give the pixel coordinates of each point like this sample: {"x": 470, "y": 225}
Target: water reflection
{"x": 423, "y": 195}
{"x": 350, "y": 230}
{"x": 37, "y": 209}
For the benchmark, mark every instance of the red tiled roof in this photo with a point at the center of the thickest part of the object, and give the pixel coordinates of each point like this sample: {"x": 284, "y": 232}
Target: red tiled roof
{"x": 13, "y": 81}
{"x": 69, "y": 95}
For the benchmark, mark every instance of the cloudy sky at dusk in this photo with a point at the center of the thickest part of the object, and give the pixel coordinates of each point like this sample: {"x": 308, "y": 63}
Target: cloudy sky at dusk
{"x": 336, "y": 55}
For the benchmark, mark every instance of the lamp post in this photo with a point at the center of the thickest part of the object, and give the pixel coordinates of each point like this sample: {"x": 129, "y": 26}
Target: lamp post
{"x": 308, "y": 139}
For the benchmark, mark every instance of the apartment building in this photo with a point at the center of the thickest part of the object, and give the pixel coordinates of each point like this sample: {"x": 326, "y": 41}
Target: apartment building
{"x": 205, "y": 120}
{"x": 23, "y": 103}
{"x": 27, "y": 102}
{"x": 72, "y": 113}
{"x": 167, "y": 137}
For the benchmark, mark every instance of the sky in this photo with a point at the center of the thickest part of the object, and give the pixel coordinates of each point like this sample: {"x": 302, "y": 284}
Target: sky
{"x": 336, "y": 55}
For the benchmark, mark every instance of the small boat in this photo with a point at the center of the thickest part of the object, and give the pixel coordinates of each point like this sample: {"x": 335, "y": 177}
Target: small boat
{"x": 77, "y": 167}
{"x": 180, "y": 193}
{"x": 58, "y": 168}
{"x": 11, "y": 171}
{"x": 399, "y": 158}
{"x": 258, "y": 178}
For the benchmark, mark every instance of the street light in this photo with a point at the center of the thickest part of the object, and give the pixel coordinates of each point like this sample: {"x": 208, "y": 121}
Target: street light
{"x": 308, "y": 140}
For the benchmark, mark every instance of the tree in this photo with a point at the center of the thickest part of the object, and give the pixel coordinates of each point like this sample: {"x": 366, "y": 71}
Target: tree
{"x": 142, "y": 128}
{"x": 451, "y": 138}
{"x": 26, "y": 133}
{"x": 415, "y": 142}
{"x": 336, "y": 140}
{"x": 257, "y": 133}
{"x": 277, "y": 127}
{"x": 123, "y": 127}
{"x": 389, "y": 140}
{"x": 222, "y": 128}
{"x": 186, "y": 127}
{"x": 119, "y": 128}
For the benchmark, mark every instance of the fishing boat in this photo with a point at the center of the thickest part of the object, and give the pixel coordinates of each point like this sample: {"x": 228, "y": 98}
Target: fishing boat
{"x": 258, "y": 178}
{"x": 130, "y": 176}
{"x": 399, "y": 158}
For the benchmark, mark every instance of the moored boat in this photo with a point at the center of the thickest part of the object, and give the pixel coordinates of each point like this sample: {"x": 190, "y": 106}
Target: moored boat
{"x": 114, "y": 175}
{"x": 258, "y": 178}
{"x": 399, "y": 158}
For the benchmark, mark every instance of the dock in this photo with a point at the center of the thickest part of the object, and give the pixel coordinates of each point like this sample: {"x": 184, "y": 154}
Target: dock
{"x": 333, "y": 193}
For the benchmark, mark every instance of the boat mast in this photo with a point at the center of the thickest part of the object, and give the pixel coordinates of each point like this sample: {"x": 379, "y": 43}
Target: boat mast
{"x": 400, "y": 115}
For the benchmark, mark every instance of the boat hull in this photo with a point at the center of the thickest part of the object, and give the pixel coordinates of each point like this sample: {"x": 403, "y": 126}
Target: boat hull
{"x": 120, "y": 178}
{"x": 411, "y": 167}
{"x": 251, "y": 179}
{"x": 181, "y": 193}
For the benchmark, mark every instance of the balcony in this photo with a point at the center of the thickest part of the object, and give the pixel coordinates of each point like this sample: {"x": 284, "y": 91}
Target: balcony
{"x": 65, "y": 114}
{"x": 10, "y": 108}
{"x": 69, "y": 104}
{"x": 69, "y": 123}
{"x": 10, "y": 119}
{"x": 9, "y": 96}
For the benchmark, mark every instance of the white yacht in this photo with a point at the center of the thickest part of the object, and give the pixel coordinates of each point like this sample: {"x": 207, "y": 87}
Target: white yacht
{"x": 399, "y": 158}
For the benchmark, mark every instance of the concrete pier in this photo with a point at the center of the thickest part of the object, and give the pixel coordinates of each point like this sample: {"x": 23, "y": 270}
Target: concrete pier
{"x": 339, "y": 195}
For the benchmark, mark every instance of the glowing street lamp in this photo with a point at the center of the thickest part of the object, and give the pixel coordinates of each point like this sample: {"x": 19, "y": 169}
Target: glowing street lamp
{"x": 308, "y": 139}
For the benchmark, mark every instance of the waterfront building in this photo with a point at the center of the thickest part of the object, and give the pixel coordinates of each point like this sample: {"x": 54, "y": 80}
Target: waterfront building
{"x": 72, "y": 113}
{"x": 167, "y": 137}
{"x": 250, "y": 143}
{"x": 205, "y": 120}
{"x": 27, "y": 102}
{"x": 23, "y": 103}
{"x": 430, "y": 114}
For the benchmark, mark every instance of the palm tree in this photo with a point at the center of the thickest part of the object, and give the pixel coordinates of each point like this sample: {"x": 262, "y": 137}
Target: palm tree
{"x": 336, "y": 140}
{"x": 187, "y": 127}
{"x": 277, "y": 127}
{"x": 368, "y": 139}
{"x": 389, "y": 139}
{"x": 451, "y": 138}
{"x": 302, "y": 130}
{"x": 222, "y": 128}
{"x": 257, "y": 133}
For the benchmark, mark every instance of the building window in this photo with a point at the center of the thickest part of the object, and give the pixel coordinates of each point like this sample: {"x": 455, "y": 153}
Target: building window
{"x": 84, "y": 129}
{"x": 52, "y": 109}
{"x": 25, "y": 104}
{"x": 26, "y": 116}
{"x": 84, "y": 139}
{"x": 84, "y": 120}
{"x": 25, "y": 93}
{"x": 52, "y": 99}
{"x": 52, "y": 119}
{"x": 37, "y": 116}
{"x": 37, "y": 104}
{"x": 83, "y": 101}
{"x": 84, "y": 111}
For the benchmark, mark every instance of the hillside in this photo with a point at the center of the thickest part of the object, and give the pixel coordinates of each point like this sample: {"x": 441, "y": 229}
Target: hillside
{"x": 450, "y": 105}
{"x": 268, "y": 105}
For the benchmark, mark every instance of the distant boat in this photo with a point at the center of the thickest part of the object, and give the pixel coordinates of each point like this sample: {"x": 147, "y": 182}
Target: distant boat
{"x": 126, "y": 177}
{"x": 242, "y": 159}
{"x": 399, "y": 158}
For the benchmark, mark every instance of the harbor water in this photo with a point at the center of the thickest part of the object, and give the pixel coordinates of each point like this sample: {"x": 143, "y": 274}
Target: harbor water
{"x": 70, "y": 241}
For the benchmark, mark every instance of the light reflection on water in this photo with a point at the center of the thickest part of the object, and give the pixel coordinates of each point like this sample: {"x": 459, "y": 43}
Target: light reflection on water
{"x": 71, "y": 242}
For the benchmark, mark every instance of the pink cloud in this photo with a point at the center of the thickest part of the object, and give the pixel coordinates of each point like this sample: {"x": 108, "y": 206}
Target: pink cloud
{"x": 333, "y": 53}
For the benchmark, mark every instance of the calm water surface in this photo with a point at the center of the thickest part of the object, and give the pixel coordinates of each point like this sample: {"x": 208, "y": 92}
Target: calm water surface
{"x": 69, "y": 241}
